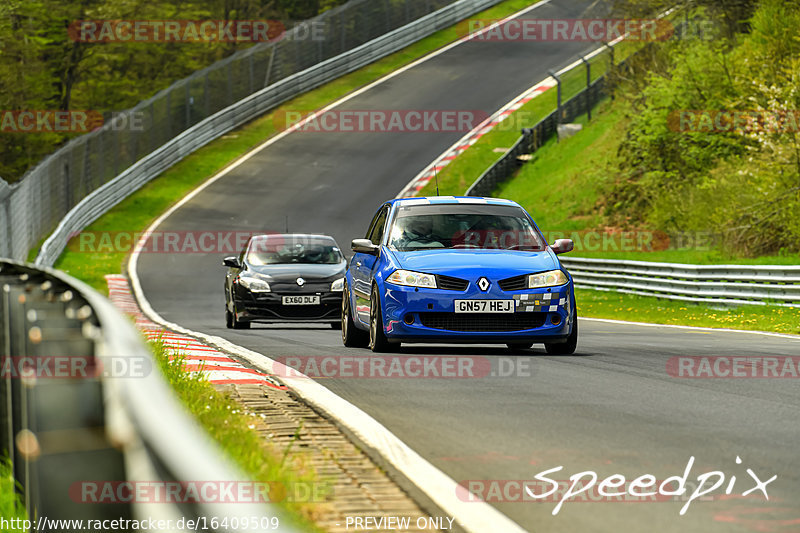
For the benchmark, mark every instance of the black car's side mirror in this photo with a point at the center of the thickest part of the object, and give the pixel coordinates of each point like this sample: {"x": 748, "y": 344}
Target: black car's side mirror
{"x": 364, "y": 246}
{"x": 232, "y": 262}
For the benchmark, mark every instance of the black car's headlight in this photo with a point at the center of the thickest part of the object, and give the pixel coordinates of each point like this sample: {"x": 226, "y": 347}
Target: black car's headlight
{"x": 337, "y": 285}
{"x": 412, "y": 279}
{"x": 253, "y": 283}
{"x": 551, "y": 278}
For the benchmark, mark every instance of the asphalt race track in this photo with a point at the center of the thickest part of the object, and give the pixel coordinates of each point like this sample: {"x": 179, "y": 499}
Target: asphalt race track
{"x": 612, "y": 408}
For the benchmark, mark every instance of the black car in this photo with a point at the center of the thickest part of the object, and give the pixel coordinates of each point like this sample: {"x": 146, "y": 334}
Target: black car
{"x": 285, "y": 278}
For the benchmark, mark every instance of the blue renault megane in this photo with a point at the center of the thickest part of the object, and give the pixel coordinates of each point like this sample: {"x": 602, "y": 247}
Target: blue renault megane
{"x": 457, "y": 269}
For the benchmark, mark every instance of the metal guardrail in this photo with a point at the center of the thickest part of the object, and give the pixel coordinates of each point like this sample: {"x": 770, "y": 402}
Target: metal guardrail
{"x": 93, "y": 172}
{"x": 534, "y": 137}
{"x": 60, "y": 431}
{"x": 718, "y": 284}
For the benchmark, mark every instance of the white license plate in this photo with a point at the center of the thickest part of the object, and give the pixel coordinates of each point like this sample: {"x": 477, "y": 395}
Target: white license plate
{"x": 301, "y": 300}
{"x": 484, "y": 306}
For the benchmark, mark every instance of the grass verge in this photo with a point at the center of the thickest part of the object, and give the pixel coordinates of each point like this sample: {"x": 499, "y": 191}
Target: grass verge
{"x": 135, "y": 213}
{"x": 455, "y": 178}
{"x": 234, "y": 431}
{"x": 621, "y": 306}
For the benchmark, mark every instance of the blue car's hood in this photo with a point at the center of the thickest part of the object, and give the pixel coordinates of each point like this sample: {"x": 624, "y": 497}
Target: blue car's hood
{"x": 482, "y": 262}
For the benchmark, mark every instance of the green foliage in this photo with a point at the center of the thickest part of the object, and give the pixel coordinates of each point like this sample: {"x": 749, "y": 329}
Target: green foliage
{"x": 744, "y": 185}
{"x": 41, "y": 68}
{"x": 11, "y": 505}
{"x": 234, "y": 431}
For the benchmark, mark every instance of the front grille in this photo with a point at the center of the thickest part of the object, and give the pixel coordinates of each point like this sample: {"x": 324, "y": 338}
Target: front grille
{"x": 451, "y": 284}
{"x": 308, "y": 287}
{"x": 517, "y": 283}
{"x": 486, "y": 322}
{"x": 296, "y": 311}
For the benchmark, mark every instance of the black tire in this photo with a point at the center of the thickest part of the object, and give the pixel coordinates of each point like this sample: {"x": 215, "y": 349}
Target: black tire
{"x": 565, "y": 348}
{"x": 377, "y": 338}
{"x": 228, "y": 318}
{"x": 336, "y": 325}
{"x": 239, "y": 324}
{"x": 519, "y": 346}
{"x": 352, "y": 337}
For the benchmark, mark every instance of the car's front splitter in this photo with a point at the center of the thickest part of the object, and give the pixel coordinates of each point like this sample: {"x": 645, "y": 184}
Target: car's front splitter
{"x": 428, "y": 315}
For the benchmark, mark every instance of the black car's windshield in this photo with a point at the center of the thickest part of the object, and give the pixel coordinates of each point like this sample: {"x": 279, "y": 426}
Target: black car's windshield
{"x": 420, "y": 227}
{"x": 288, "y": 249}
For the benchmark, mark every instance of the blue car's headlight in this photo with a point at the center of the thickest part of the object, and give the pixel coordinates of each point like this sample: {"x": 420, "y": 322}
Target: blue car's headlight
{"x": 253, "y": 283}
{"x": 551, "y": 278}
{"x": 412, "y": 279}
{"x": 338, "y": 285}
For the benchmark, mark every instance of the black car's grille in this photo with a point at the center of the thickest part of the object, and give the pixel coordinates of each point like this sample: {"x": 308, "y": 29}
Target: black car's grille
{"x": 308, "y": 287}
{"x": 483, "y": 321}
{"x": 296, "y": 311}
{"x": 451, "y": 284}
{"x": 516, "y": 283}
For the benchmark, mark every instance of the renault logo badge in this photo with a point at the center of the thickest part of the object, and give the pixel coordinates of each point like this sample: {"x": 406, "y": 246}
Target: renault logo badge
{"x": 483, "y": 284}
{"x": 301, "y": 281}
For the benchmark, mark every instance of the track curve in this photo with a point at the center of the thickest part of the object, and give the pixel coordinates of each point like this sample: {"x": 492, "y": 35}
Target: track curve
{"x": 612, "y": 408}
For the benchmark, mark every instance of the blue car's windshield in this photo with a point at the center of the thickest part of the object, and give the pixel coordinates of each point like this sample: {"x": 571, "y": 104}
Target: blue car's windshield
{"x": 420, "y": 227}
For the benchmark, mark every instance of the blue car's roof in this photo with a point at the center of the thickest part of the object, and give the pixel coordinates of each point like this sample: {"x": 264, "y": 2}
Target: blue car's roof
{"x": 422, "y": 200}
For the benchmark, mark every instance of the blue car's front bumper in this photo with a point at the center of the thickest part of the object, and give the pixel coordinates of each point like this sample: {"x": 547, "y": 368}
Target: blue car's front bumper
{"x": 428, "y": 315}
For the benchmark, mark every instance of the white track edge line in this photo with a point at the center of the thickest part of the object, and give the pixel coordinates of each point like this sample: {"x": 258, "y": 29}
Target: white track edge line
{"x": 699, "y": 328}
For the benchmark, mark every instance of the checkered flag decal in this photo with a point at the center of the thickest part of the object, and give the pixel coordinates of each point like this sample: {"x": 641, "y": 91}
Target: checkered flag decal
{"x": 540, "y": 303}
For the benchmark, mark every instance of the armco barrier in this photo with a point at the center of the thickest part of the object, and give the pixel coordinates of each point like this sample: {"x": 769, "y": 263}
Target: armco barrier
{"x": 59, "y": 431}
{"x": 718, "y": 284}
{"x": 93, "y": 172}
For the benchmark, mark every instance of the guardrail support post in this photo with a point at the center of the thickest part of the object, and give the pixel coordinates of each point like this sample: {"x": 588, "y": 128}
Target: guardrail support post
{"x": 558, "y": 100}
{"x": 588, "y": 99}
{"x": 610, "y": 63}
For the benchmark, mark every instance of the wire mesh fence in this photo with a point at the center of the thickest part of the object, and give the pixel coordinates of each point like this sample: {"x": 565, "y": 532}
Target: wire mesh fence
{"x": 36, "y": 204}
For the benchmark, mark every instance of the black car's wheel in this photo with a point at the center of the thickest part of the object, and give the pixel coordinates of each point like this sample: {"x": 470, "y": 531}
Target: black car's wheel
{"x": 352, "y": 337}
{"x": 517, "y": 346}
{"x": 377, "y": 338}
{"x": 565, "y": 348}
{"x": 239, "y": 324}
{"x": 228, "y": 318}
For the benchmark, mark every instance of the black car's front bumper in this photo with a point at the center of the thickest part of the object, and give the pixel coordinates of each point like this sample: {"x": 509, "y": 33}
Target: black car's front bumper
{"x": 268, "y": 307}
